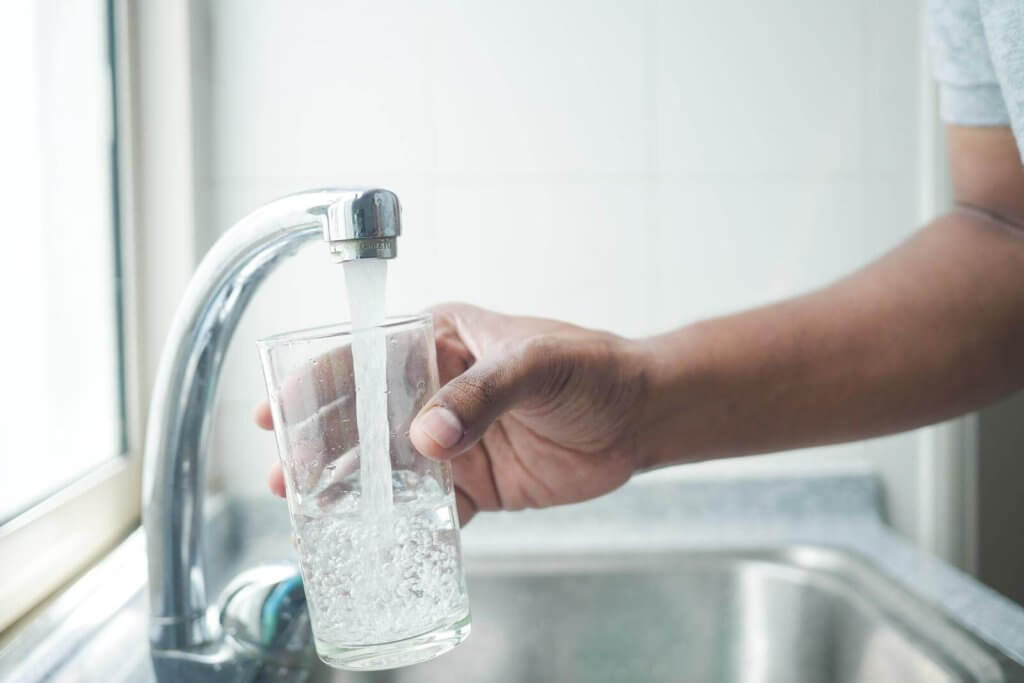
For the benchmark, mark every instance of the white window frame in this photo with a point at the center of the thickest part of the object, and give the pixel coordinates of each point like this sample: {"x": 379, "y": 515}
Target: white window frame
{"x": 59, "y": 538}
{"x": 53, "y": 541}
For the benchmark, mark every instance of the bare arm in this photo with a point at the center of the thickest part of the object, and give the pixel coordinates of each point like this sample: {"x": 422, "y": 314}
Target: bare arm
{"x": 933, "y": 329}
{"x": 536, "y": 412}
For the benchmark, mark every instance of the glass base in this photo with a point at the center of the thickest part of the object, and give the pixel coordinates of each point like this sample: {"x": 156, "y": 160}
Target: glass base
{"x": 397, "y": 653}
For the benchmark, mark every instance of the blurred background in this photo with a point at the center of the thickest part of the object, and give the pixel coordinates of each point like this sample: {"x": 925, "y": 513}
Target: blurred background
{"x": 630, "y": 166}
{"x": 627, "y": 166}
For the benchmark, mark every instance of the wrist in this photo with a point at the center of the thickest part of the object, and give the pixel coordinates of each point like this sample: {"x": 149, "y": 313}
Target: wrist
{"x": 674, "y": 371}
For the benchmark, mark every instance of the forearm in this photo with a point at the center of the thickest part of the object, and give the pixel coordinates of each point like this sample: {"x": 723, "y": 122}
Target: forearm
{"x": 933, "y": 329}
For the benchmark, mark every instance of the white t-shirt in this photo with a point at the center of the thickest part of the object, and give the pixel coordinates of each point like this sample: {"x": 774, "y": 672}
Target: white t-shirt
{"x": 978, "y": 50}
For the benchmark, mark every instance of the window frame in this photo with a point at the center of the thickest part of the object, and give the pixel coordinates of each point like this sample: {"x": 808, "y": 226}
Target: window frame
{"x": 55, "y": 539}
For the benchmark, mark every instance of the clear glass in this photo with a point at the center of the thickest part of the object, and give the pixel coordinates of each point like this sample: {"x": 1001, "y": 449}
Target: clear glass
{"x": 381, "y": 592}
{"x": 61, "y": 277}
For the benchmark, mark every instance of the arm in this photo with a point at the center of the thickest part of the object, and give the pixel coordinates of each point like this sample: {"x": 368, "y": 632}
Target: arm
{"x": 933, "y": 329}
{"x": 537, "y": 412}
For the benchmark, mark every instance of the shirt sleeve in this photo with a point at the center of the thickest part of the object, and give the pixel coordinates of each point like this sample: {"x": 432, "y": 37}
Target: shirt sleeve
{"x": 978, "y": 52}
{"x": 1003, "y": 21}
{"x": 969, "y": 91}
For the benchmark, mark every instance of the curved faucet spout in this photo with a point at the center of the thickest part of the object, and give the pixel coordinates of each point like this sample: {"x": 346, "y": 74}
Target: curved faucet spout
{"x": 181, "y": 407}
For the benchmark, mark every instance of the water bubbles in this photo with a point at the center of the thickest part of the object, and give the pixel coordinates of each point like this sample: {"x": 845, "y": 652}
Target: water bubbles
{"x": 361, "y": 592}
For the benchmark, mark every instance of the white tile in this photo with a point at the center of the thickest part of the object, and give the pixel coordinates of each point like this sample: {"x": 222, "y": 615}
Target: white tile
{"x": 317, "y": 87}
{"x": 571, "y": 251}
{"x": 232, "y": 199}
{"x": 893, "y": 79}
{"x": 241, "y": 453}
{"x": 721, "y": 247}
{"x": 522, "y": 139}
{"x": 539, "y": 87}
{"x": 771, "y": 87}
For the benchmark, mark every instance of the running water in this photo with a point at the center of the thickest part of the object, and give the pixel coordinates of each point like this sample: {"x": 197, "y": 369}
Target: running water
{"x": 366, "y": 280}
{"x": 382, "y": 566}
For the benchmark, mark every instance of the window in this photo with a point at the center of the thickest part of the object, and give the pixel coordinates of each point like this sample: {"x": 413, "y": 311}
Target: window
{"x": 69, "y": 482}
{"x": 61, "y": 344}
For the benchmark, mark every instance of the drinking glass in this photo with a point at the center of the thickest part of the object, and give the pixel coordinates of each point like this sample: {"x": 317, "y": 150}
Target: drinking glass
{"x": 382, "y": 571}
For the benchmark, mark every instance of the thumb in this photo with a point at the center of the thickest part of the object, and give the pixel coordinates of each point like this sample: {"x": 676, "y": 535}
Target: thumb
{"x": 459, "y": 414}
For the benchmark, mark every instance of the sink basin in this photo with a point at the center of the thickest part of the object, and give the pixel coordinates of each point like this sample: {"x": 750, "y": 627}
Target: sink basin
{"x": 776, "y": 615}
{"x": 761, "y": 605}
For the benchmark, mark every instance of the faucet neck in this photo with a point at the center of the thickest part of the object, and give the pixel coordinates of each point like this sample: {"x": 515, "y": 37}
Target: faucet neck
{"x": 181, "y": 407}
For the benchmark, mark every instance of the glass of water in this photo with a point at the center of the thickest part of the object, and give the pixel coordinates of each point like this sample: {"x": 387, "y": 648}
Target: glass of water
{"x": 375, "y": 522}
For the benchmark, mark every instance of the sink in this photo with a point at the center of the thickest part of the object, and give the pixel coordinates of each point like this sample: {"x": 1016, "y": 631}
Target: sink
{"x": 768, "y": 603}
{"x": 773, "y": 615}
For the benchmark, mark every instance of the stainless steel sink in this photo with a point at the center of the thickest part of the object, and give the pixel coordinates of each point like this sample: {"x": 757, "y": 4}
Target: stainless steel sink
{"x": 787, "y": 612}
{"x": 765, "y": 616}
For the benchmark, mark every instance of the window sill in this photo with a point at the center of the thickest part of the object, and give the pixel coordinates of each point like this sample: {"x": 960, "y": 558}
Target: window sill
{"x": 51, "y": 543}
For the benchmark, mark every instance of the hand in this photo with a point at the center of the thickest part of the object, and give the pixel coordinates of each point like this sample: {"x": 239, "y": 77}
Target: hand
{"x": 531, "y": 413}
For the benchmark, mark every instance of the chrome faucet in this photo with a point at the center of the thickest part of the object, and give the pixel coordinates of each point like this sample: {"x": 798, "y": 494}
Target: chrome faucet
{"x": 260, "y": 629}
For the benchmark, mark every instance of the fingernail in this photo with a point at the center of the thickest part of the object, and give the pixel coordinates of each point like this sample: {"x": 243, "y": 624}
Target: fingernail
{"x": 441, "y": 425}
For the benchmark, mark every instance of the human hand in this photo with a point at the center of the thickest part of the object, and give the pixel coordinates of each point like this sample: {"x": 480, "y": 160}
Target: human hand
{"x": 532, "y": 412}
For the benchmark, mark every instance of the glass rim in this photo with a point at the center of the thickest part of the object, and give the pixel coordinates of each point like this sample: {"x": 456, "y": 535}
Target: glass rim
{"x": 342, "y": 329}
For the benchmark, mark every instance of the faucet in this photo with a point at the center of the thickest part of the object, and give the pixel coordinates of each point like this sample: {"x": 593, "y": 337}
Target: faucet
{"x": 260, "y": 630}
